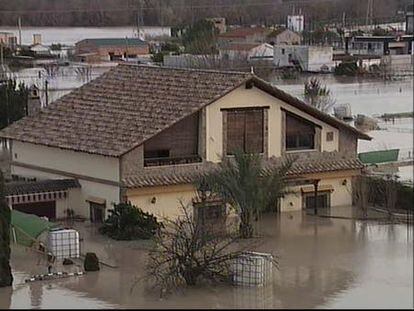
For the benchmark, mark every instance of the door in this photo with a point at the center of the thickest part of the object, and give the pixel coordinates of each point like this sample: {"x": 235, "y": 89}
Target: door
{"x": 323, "y": 203}
{"x": 41, "y": 209}
{"x": 97, "y": 212}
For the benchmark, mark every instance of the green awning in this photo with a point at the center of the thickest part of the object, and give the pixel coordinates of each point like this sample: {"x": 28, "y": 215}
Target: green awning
{"x": 381, "y": 156}
{"x": 28, "y": 227}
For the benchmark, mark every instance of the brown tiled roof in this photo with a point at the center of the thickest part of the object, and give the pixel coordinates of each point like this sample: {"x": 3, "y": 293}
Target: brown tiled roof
{"x": 130, "y": 104}
{"x": 317, "y": 163}
{"x": 243, "y": 32}
{"x": 122, "y": 108}
{"x": 41, "y": 186}
{"x": 241, "y": 46}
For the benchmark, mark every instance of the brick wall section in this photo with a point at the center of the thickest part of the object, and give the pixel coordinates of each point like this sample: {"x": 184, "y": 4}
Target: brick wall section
{"x": 348, "y": 143}
{"x": 181, "y": 139}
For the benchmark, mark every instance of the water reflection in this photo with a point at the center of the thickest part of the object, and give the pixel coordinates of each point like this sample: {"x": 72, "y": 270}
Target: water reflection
{"x": 322, "y": 262}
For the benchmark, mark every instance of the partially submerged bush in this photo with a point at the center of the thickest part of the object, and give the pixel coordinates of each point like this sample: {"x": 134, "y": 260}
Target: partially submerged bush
{"x": 185, "y": 254}
{"x": 128, "y": 222}
{"x": 91, "y": 262}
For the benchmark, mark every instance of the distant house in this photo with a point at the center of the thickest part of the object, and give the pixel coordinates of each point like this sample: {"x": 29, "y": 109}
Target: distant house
{"x": 144, "y": 134}
{"x": 110, "y": 49}
{"x": 283, "y": 36}
{"x": 247, "y": 51}
{"x": 8, "y": 39}
{"x": 40, "y": 49}
{"x": 307, "y": 58}
{"x": 219, "y": 23}
{"x": 243, "y": 35}
{"x": 380, "y": 45}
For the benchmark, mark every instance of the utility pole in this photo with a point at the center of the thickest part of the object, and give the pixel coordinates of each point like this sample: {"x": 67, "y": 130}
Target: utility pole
{"x": 46, "y": 93}
{"x": 140, "y": 19}
{"x": 126, "y": 46}
{"x": 370, "y": 13}
{"x": 19, "y": 24}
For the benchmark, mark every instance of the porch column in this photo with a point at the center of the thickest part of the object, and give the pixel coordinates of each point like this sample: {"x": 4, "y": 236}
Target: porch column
{"x": 315, "y": 203}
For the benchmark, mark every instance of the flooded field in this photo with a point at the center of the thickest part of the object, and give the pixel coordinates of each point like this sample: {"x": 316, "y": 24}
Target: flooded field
{"x": 323, "y": 263}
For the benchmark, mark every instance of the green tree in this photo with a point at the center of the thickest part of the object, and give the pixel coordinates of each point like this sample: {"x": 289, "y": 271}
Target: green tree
{"x": 13, "y": 102}
{"x": 200, "y": 38}
{"x": 6, "y": 277}
{"x": 318, "y": 96}
{"x": 247, "y": 185}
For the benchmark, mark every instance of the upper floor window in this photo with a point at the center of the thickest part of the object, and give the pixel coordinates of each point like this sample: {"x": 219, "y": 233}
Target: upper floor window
{"x": 329, "y": 136}
{"x": 245, "y": 131}
{"x": 300, "y": 133}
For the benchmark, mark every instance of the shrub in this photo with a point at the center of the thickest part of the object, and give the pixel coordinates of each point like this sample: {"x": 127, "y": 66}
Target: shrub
{"x": 128, "y": 222}
{"x": 347, "y": 69}
{"x": 91, "y": 262}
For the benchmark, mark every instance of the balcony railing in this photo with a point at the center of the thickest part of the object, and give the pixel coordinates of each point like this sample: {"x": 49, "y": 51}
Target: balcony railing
{"x": 172, "y": 161}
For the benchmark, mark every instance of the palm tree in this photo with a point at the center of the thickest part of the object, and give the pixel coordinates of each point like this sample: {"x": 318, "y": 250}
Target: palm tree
{"x": 248, "y": 186}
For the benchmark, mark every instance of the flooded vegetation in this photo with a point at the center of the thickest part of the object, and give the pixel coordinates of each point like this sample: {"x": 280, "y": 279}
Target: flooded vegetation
{"x": 323, "y": 263}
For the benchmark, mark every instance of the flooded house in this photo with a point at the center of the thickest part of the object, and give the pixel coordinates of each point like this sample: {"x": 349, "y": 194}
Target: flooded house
{"x": 283, "y": 35}
{"x": 304, "y": 57}
{"x": 379, "y": 45}
{"x": 243, "y": 35}
{"x": 144, "y": 134}
{"x": 110, "y": 49}
{"x": 247, "y": 52}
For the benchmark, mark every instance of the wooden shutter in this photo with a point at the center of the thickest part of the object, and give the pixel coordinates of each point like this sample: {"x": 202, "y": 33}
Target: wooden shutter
{"x": 235, "y": 131}
{"x": 254, "y": 131}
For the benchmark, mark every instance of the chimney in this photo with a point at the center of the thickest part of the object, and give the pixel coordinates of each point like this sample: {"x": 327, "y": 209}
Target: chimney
{"x": 33, "y": 101}
{"x": 37, "y": 38}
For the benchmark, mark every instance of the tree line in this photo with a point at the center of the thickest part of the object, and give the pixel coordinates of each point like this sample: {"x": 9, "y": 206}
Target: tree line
{"x": 180, "y": 12}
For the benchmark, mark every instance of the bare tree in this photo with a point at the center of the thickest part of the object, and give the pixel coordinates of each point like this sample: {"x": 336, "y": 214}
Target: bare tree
{"x": 318, "y": 96}
{"x": 186, "y": 254}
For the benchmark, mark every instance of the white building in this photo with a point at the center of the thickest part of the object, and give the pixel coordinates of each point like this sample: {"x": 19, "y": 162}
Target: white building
{"x": 248, "y": 52}
{"x": 308, "y": 58}
{"x": 295, "y": 22}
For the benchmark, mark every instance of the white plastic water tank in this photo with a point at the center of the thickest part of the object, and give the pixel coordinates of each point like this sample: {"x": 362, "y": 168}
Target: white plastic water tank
{"x": 64, "y": 243}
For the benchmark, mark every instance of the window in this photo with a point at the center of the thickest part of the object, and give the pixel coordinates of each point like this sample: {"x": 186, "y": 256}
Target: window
{"x": 245, "y": 131}
{"x": 329, "y": 136}
{"x": 283, "y": 51}
{"x": 161, "y": 153}
{"x": 300, "y": 134}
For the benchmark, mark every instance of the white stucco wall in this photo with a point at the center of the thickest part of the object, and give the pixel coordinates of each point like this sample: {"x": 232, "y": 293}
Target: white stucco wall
{"x": 242, "y": 97}
{"x": 319, "y": 56}
{"x": 311, "y": 58}
{"x": 77, "y": 163}
{"x": 66, "y": 160}
{"x": 167, "y": 199}
{"x": 340, "y": 196}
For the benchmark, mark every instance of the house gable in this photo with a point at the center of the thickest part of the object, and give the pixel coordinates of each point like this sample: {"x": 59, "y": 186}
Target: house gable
{"x": 274, "y": 107}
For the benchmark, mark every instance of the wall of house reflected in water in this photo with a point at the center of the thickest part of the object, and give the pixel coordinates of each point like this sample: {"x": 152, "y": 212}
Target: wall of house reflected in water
{"x": 323, "y": 262}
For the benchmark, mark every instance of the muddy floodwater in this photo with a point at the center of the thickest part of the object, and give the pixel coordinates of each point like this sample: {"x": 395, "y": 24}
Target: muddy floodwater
{"x": 323, "y": 263}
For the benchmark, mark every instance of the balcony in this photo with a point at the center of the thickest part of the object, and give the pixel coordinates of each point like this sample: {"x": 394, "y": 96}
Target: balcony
{"x": 164, "y": 161}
